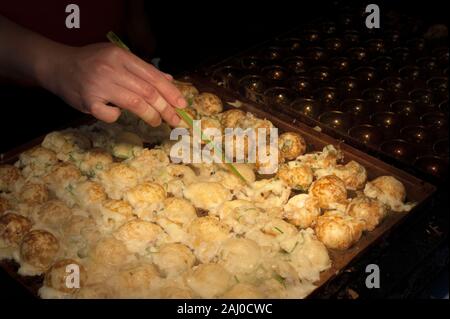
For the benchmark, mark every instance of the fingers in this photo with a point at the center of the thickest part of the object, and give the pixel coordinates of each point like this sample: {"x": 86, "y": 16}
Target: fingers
{"x": 133, "y": 102}
{"x": 103, "y": 112}
{"x": 150, "y": 95}
{"x": 156, "y": 78}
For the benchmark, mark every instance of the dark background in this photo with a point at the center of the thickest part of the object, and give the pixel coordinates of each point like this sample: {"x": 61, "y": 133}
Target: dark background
{"x": 189, "y": 34}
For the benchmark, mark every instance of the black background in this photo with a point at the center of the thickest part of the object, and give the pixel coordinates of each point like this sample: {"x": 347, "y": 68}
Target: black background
{"x": 188, "y": 34}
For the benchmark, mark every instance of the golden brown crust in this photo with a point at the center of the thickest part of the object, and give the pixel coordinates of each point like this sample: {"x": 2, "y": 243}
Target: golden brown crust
{"x": 13, "y": 228}
{"x": 39, "y": 249}
{"x": 291, "y": 145}
{"x": 330, "y": 191}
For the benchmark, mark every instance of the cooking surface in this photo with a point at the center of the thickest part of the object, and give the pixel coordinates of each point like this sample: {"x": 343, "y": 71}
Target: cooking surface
{"x": 383, "y": 91}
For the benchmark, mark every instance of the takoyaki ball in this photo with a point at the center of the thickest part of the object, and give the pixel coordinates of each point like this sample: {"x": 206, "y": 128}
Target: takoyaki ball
{"x": 211, "y": 128}
{"x": 240, "y": 256}
{"x": 65, "y": 142}
{"x": 33, "y": 194}
{"x": 207, "y": 104}
{"x": 146, "y": 194}
{"x": 353, "y": 174}
{"x": 246, "y": 170}
{"x": 94, "y": 161}
{"x": 368, "y": 210}
{"x": 268, "y": 163}
{"x": 38, "y": 249}
{"x": 119, "y": 178}
{"x": 338, "y": 230}
{"x": 135, "y": 281}
{"x": 52, "y": 214}
{"x": 278, "y": 227}
{"x": 296, "y": 175}
{"x": 179, "y": 176}
{"x": 114, "y": 213}
{"x": 240, "y": 214}
{"x": 37, "y": 161}
{"x": 200, "y": 194}
{"x": 89, "y": 194}
{"x": 230, "y": 118}
{"x": 110, "y": 252}
{"x": 179, "y": 211}
{"x": 251, "y": 121}
{"x": 60, "y": 276}
{"x": 291, "y": 145}
{"x": 188, "y": 90}
{"x": 126, "y": 145}
{"x": 13, "y": 228}
{"x": 149, "y": 158}
{"x": 192, "y": 113}
{"x": 244, "y": 291}
{"x": 139, "y": 235}
{"x": 330, "y": 192}
{"x": 209, "y": 280}
{"x": 9, "y": 176}
{"x": 266, "y": 193}
{"x": 62, "y": 175}
{"x": 207, "y": 233}
{"x": 302, "y": 210}
{"x": 328, "y": 158}
{"x": 389, "y": 191}
{"x": 173, "y": 259}
{"x": 4, "y": 205}
{"x": 310, "y": 256}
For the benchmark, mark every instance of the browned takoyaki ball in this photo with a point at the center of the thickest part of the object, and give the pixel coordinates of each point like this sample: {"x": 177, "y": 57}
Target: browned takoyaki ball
{"x": 291, "y": 145}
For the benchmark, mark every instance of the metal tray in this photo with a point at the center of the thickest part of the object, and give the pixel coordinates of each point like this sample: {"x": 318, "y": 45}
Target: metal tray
{"x": 417, "y": 190}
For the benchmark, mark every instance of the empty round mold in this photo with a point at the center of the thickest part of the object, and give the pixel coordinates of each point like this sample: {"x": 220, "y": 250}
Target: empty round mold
{"x": 367, "y": 134}
{"x": 337, "y": 120}
{"x": 400, "y": 149}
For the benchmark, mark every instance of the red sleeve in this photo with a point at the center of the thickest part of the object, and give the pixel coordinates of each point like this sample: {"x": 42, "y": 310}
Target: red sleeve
{"x": 48, "y": 18}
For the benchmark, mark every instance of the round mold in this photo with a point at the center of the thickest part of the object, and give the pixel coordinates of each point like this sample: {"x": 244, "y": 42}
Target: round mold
{"x": 279, "y": 96}
{"x": 295, "y": 64}
{"x": 375, "y": 95}
{"x": 334, "y": 45}
{"x": 340, "y": 65}
{"x": 348, "y": 86}
{"x": 320, "y": 74}
{"x": 252, "y": 87}
{"x": 441, "y": 148}
{"x": 307, "y": 107}
{"x": 316, "y": 54}
{"x": 327, "y": 95}
{"x": 433, "y": 165}
{"x": 367, "y": 134}
{"x": 416, "y": 134}
{"x": 337, "y": 120}
{"x": 421, "y": 96}
{"x": 251, "y": 62}
{"x": 274, "y": 73}
{"x": 226, "y": 76}
{"x": 399, "y": 149}
{"x": 302, "y": 85}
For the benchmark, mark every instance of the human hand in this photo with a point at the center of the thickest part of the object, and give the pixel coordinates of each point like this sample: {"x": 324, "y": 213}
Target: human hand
{"x": 101, "y": 78}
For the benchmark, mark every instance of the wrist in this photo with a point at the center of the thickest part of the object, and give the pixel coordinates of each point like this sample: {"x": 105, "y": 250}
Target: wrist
{"x": 48, "y": 65}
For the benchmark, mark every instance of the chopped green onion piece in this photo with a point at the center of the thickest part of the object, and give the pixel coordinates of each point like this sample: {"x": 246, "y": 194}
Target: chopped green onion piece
{"x": 279, "y": 230}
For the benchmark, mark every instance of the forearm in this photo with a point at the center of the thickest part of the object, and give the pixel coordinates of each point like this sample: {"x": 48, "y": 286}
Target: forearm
{"x": 27, "y": 56}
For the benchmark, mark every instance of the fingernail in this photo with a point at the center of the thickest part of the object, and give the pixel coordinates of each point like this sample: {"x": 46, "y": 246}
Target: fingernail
{"x": 175, "y": 120}
{"x": 181, "y": 102}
